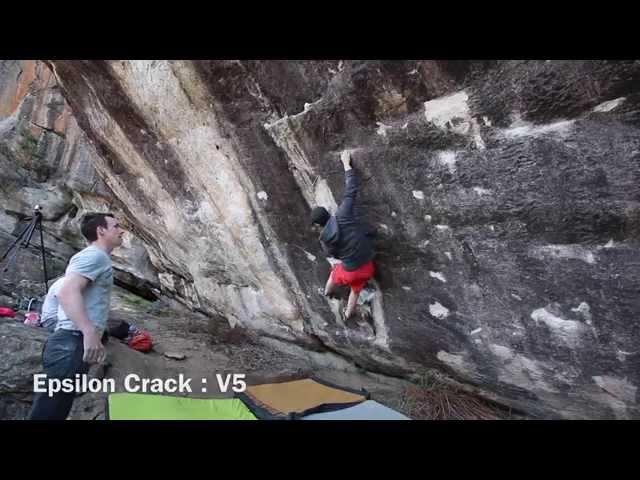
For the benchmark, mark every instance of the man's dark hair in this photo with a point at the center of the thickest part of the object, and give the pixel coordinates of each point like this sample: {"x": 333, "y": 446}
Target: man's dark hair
{"x": 320, "y": 216}
{"x": 90, "y": 223}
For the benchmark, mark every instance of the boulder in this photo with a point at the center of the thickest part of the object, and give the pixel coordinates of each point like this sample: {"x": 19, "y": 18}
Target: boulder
{"x": 503, "y": 196}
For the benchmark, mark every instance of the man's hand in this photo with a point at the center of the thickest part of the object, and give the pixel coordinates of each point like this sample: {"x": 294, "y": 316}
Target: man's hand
{"x": 345, "y": 157}
{"x": 94, "y": 351}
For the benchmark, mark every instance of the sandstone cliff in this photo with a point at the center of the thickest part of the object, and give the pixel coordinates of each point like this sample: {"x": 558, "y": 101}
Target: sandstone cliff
{"x": 504, "y": 196}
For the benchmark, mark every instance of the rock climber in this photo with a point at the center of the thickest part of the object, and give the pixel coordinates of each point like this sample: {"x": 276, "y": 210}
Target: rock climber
{"x": 344, "y": 238}
{"x": 84, "y": 299}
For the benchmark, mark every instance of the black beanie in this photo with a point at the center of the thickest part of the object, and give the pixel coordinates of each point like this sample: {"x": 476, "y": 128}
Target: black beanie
{"x": 320, "y": 216}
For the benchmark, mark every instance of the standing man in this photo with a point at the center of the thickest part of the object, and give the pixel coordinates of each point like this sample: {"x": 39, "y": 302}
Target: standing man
{"x": 84, "y": 297}
{"x": 344, "y": 238}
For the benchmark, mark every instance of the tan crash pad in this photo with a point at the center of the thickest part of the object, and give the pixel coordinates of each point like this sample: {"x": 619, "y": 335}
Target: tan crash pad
{"x": 299, "y": 397}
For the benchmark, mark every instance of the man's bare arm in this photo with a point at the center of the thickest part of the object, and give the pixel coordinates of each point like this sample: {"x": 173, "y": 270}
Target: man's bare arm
{"x": 70, "y": 297}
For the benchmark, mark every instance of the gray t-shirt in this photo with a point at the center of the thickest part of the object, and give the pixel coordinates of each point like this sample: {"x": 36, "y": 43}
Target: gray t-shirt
{"x": 50, "y": 305}
{"x": 94, "y": 264}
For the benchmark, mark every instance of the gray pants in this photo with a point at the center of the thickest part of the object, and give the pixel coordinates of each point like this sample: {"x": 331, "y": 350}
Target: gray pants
{"x": 61, "y": 358}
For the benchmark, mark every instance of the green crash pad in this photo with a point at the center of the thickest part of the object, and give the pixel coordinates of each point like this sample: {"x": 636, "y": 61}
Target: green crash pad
{"x": 140, "y": 406}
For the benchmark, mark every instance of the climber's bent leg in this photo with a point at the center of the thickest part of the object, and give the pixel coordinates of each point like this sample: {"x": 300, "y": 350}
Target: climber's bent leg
{"x": 356, "y": 279}
{"x": 330, "y": 287}
{"x": 351, "y": 304}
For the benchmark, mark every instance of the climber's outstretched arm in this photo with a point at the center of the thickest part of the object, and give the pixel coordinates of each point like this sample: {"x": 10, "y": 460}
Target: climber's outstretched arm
{"x": 345, "y": 209}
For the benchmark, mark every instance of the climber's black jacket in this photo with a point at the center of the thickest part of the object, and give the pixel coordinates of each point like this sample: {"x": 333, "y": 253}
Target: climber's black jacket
{"x": 343, "y": 237}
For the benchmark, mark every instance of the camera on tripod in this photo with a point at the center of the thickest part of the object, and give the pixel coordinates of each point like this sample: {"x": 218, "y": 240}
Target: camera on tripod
{"x": 9, "y": 259}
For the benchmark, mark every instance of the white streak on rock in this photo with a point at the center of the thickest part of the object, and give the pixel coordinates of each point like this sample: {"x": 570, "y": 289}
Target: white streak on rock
{"x": 382, "y": 129}
{"x": 554, "y": 322}
{"x": 481, "y": 191}
{"x": 448, "y": 159}
{"x": 477, "y": 138}
{"x": 610, "y": 105}
{"x": 438, "y": 310}
{"x": 418, "y": 194}
{"x": 622, "y": 355}
{"x": 526, "y": 129}
{"x": 450, "y": 112}
{"x": 577, "y": 252}
{"x": 438, "y": 275}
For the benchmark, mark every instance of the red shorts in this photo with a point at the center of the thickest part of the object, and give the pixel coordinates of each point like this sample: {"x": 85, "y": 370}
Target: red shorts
{"x": 356, "y": 279}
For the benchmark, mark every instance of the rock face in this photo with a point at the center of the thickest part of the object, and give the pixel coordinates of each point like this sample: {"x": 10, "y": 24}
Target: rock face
{"x": 21, "y": 357}
{"x": 504, "y": 196}
{"x": 46, "y": 159}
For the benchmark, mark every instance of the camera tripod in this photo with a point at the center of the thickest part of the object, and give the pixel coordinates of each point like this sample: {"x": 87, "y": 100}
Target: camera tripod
{"x": 9, "y": 258}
